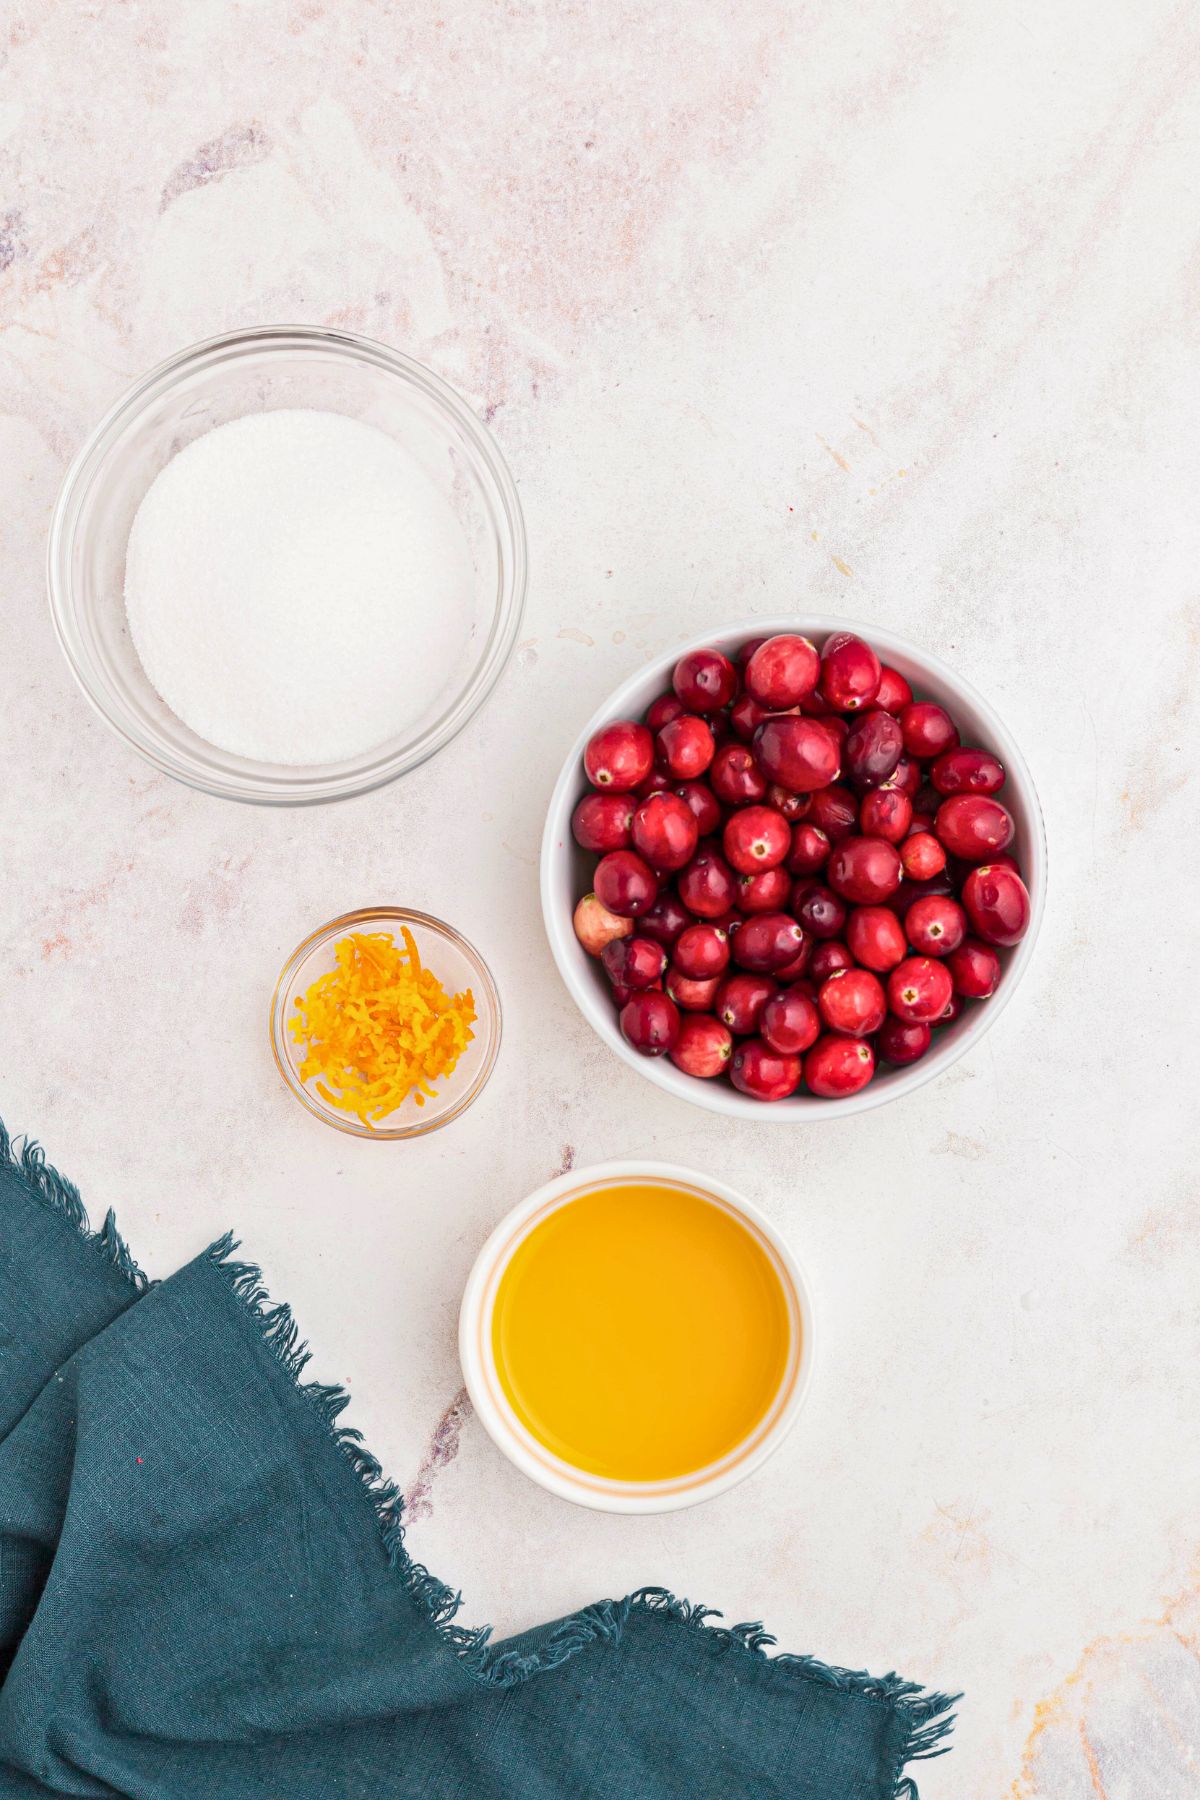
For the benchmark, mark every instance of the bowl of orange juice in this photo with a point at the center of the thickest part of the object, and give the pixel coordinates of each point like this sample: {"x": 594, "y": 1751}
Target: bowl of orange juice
{"x": 636, "y": 1337}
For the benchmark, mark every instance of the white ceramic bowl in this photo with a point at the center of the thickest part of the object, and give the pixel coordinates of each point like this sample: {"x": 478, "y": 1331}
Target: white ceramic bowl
{"x": 566, "y": 871}
{"x": 521, "y": 1448}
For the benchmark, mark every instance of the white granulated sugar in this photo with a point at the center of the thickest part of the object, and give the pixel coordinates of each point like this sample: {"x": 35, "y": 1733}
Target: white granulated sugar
{"x": 297, "y": 587}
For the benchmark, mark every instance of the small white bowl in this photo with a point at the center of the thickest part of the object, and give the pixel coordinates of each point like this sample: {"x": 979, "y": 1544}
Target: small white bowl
{"x": 550, "y": 1471}
{"x": 566, "y": 872}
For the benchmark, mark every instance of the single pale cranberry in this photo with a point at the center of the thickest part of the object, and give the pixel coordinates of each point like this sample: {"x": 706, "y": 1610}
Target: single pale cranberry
{"x": 828, "y": 957}
{"x": 967, "y": 772}
{"x": 928, "y": 729}
{"x": 701, "y": 951}
{"x": 935, "y": 925}
{"x": 838, "y": 1066}
{"x": 625, "y": 884}
{"x": 885, "y": 813}
{"x": 792, "y": 806}
{"x": 596, "y": 926}
{"x": 903, "y": 1041}
{"x": 650, "y": 1022}
{"x": 705, "y": 681}
{"x": 810, "y": 849}
{"x": 767, "y": 942}
{"x": 601, "y": 822}
{"x": 997, "y": 903}
{"x": 706, "y": 808}
{"x": 665, "y": 833}
{"x": 756, "y": 838}
{"x": 850, "y": 672}
{"x": 906, "y": 776}
{"x": 765, "y": 892}
{"x": 918, "y": 989}
{"x": 974, "y": 970}
{"x": 619, "y": 755}
{"x": 921, "y": 856}
{"x": 954, "y": 1006}
{"x": 762, "y": 1073}
{"x": 686, "y": 747}
{"x": 894, "y": 692}
{"x": 702, "y": 1047}
{"x": 691, "y": 995}
{"x": 745, "y": 717}
{"x": 634, "y": 962}
{"x": 665, "y": 920}
{"x": 739, "y": 1001}
{"x": 783, "y": 672}
{"x": 853, "y": 1001}
{"x": 974, "y": 826}
{"x": 835, "y": 810}
{"x": 865, "y": 870}
{"x": 660, "y": 712}
{"x": 790, "y": 1022}
{"x": 657, "y": 782}
{"x": 708, "y": 886}
{"x": 876, "y": 938}
{"x": 735, "y": 777}
{"x": 821, "y": 912}
{"x": 872, "y": 750}
{"x": 796, "y": 752}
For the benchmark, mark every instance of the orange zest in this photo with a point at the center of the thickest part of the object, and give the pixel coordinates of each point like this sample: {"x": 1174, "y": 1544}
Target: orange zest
{"x": 379, "y": 1027}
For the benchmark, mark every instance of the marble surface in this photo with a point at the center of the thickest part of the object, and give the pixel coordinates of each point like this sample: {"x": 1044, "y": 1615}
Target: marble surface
{"x": 886, "y": 309}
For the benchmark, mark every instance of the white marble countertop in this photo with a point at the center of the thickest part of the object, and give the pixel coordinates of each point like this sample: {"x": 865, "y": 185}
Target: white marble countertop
{"x": 886, "y": 309}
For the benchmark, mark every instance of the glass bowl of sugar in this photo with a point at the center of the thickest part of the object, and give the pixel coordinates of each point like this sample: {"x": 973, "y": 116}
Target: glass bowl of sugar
{"x": 288, "y": 566}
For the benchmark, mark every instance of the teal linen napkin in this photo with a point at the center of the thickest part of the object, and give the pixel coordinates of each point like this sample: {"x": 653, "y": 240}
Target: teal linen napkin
{"x": 205, "y": 1594}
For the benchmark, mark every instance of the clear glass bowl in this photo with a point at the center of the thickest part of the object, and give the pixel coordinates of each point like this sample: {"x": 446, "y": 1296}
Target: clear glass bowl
{"x": 207, "y": 385}
{"x": 457, "y": 965}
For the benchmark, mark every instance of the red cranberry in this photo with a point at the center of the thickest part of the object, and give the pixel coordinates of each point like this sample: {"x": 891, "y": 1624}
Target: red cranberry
{"x": 918, "y": 989}
{"x": 701, "y": 951}
{"x": 619, "y": 755}
{"x": 742, "y": 656}
{"x": 730, "y": 921}
{"x": 835, "y": 810}
{"x": 1003, "y": 861}
{"x": 912, "y": 891}
{"x": 810, "y": 849}
{"x": 967, "y": 772}
{"x": 739, "y": 1001}
{"x": 974, "y": 826}
{"x": 997, "y": 903}
{"x": 853, "y": 1001}
{"x": 656, "y": 782}
{"x": 838, "y": 730}
{"x": 906, "y": 776}
{"x": 795, "y": 971}
{"x": 873, "y": 747}
{"x": 790, "y": 1022}
{"x": 828, "y": 957}
{"x": 708, "y": 886}
{"x": 886, "y": 813}
{"x": 837, "y": 1066}
{"x": 974, "y": 970}
{"x": 703, "y": 1047}
{"x": 920, "y": 821}
{"x": 601, "y": 822}
{"x": 735, "y": 777}
{"x": 894, "y": 692}
{"x": 692, "y": 995}
{"x": 705, "y": 681}
{"x": 625, "y": 884}
{"x": 797, "y": 753}
{"x": 762, "y": 1073}
{"x": 818, "y": 909}
{"x": 876, "y": 938}
{"x": 903, "y": 1041}
{"x": 865, "y": 870}
{"x": 756, "y": 838}
{"x": 936, "y": 925}
{"x": 634, "y": 962}
{"x": 921, "y": 856}
{"x": 720, "y": 727}
{"x": 850, "y": 672}
{"x": 767, "y": 942}
{"x": 745, "y": 717}
{"x": 660, "y": 712}
{"x": 595, "y": 926}
{"x": 954, "y": 1006}
{"x": 765, "y": 892}
{"x": 783, "y": 672}
{"x": 686, "y": 747}
{"x": 705, "y": 807}
{"x": 665, "y": 920}
{"x": 650, "y": 1022}
{"x": 928, "y": 729}
{"x": 816, "y": 706}
{"x": 665, "y": 833}
{"x": 792, "y": 806}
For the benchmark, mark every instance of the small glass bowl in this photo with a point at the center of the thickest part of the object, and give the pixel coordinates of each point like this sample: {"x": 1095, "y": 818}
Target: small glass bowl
{"x": 226, "y": 378}
{"x": 457, "y": 965}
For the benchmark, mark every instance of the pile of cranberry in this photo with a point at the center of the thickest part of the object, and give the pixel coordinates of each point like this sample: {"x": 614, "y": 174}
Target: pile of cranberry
{"x": 802, "y": 870}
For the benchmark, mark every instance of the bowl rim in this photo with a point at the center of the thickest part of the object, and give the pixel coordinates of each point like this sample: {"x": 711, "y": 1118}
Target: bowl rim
{"x": 290, "y": 787}
{"x": 716, "y": 1096}
{"x": 276, "y": 1022}
{"x": 551, "y": 1473}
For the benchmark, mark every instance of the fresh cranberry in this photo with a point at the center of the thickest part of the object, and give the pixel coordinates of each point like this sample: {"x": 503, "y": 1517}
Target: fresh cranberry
{"x": 850, "y": 672}
{"x": 762, "y": 1073}
{"x": 1003, "y": 861}
{"x": 790, "y": 1022}
{"x": 796, "y": 971}
{"x": 906, "y": 776}
{"x": 729, "y": 921}
{"x": 935, "y": 925}
{"x": 742, "y": 656}
{"x": 705, "y": 681}
{"x": 601, "y": 822}
{"x": 739, "y": 1001}
{"x": 918, "y": 989}
{"x": 625, "y": 884}
{"x": 792, "y": 806}
{"x": 665, "y": 833}
{"x": 997, "y": 903}
{"x": 783, "y": 672}
{"x": 706, "y": 809}
{"x": 619, "y": 755}
{"x": 756, "y": 838}
{"x": 657, "y": 782}
{"x": 692, "y": 995}
{"x": 921, "y": 856}
{"x": 838, "y": 730}
{"x": 701, "y": 951}
{"x": 686, "y": 747}
{"x": 912, "y": 891}
{"x": 735, "y": 777}
{"x": 928, "y": 729}
{"x": 765, "y": 892}
{"x": 810, "y": 849}
{"x": 595, "y": 926}
{"x": 954, "y": 1006}
{"x": 702, "y": 1047}
{"x": 816, "y": 706}
{"x": 796, "y": 752}
{"x": 974, "y": 826}
{"x": 828, "y": 957}
{"x": 767, "y": 942}
{"x": 708, "y": 886}
{"x": 634, "y": 962}
{"x": 974, "y": 970}
{"x": 872, "y": 750}
{"x": 920, "y": 821}
{"x": 835, "y": 810}
{"x": 853, "y": 1001}
{"x": 821, "y": 912}
{"x": 967, "y": 772}
{"x": 665, "y": 920}
{"x": 903, "y": 1041}
{"x": 865, "y": 870}
{"x": 894, "y": 692}
{"x": 876, "y": 938}
{"x": 838, "y": 1066}
{"x": 660, "y": 712}
{"x": 650, "y": 1022}
{"x": 886, "y": 813}
{"x": 745, "y": 717}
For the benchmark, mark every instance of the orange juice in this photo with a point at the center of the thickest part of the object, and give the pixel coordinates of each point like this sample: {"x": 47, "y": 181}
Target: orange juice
{"x": 640, "y": 1331}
